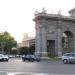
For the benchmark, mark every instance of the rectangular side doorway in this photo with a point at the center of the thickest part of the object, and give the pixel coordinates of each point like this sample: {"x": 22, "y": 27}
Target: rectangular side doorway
{"x": 51, "y": 47}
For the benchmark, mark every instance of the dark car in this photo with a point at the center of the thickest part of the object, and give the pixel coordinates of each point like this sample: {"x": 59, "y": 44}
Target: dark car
{"x": 30, "y": 57}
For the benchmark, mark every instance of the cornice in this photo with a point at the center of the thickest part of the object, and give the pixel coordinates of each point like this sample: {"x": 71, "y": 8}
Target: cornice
{"x": 41, "y": 16}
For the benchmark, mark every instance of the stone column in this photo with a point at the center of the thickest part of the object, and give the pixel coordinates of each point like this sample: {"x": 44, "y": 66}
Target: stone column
{"x": 74, "y": 43}
{"x": 38, "y": 40}
{"x": 43, "y": 41}
{"x": 59, "y": 38}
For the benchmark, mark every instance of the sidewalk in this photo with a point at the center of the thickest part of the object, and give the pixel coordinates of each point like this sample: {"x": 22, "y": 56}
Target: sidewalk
{"x": 45, "y": 58}
{"x": 52, "y": 59}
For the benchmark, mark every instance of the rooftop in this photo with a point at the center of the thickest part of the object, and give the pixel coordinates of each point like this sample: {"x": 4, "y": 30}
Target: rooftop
{"x": 40, "y": 15}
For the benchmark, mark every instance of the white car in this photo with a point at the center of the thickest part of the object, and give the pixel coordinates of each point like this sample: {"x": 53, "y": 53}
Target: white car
{"x": 68, "y": 58}
{"x": 4, "y": 57}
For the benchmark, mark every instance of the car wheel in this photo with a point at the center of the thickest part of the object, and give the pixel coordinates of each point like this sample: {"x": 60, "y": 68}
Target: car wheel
{"x": 33, "y": 60}
{"x": 65, "y": 61}
{"x": 23, "y": 60}
{"x": 37, "y": 60}
{"x": 7, "y": 60}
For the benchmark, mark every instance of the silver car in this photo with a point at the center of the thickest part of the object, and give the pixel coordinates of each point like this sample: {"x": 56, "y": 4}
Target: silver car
{"x": 68, "y": 58}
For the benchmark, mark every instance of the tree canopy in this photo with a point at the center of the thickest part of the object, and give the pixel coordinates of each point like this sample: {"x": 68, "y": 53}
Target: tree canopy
{"x": 7, "y": 42}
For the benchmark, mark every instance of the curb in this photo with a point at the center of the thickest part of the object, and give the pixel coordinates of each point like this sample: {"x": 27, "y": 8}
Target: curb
{"x": 50, "y": 59}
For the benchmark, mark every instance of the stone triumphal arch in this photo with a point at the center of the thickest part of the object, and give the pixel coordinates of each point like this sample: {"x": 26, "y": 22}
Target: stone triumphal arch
{"x": 55, "y": 34}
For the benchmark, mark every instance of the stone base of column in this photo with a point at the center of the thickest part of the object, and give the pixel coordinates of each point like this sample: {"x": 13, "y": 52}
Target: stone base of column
{"x": 41, "y": 54}
{"x": 59, "y": 54}
{"x": 44, "y": 56}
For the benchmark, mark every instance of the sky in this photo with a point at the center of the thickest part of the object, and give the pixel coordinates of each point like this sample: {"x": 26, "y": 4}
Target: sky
{"x": 16, "y": 16}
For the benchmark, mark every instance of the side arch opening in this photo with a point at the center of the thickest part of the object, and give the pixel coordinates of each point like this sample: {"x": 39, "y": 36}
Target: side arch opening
{"x": 67, "y": 42}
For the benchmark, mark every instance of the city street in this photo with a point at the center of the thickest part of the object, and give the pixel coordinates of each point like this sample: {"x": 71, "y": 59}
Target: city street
{"x": 42, "y": 67}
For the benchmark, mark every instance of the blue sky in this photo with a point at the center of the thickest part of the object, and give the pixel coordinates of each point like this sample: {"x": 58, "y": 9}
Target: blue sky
{"x": 16, "y": 16}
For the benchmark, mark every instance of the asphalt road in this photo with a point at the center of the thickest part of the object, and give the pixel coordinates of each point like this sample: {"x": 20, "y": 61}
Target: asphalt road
{"x": 36, "y": 68}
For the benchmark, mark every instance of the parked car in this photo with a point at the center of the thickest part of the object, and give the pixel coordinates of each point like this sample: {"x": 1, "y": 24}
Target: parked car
{"x": 30, "y": 57}
{"x": 68, "y": 58}
{"x": 4, "y": 57}
{"x": 11, "y": 56}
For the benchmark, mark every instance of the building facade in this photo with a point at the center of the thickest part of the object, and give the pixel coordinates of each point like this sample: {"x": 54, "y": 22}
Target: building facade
{"x": 55, "y": 34}
{"x": 26, "y": 42}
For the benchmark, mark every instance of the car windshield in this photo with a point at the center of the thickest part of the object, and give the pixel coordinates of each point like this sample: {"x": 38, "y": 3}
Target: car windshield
{"x": 69, "y": 54}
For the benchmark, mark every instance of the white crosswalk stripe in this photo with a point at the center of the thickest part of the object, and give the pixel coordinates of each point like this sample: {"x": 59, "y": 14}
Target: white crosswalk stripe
{"x": 28, "y": 73}
{"x": 36, "y": 74}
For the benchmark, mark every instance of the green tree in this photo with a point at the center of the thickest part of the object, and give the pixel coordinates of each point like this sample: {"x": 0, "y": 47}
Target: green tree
{"x": 7, "y": 42}
{"x": 24, "y": 50}
{"x": 32, "y": 49}
{"x": 27, "y": 50}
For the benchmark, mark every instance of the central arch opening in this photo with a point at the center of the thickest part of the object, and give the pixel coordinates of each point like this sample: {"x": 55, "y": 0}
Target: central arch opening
{"x": 67, "y": 42}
